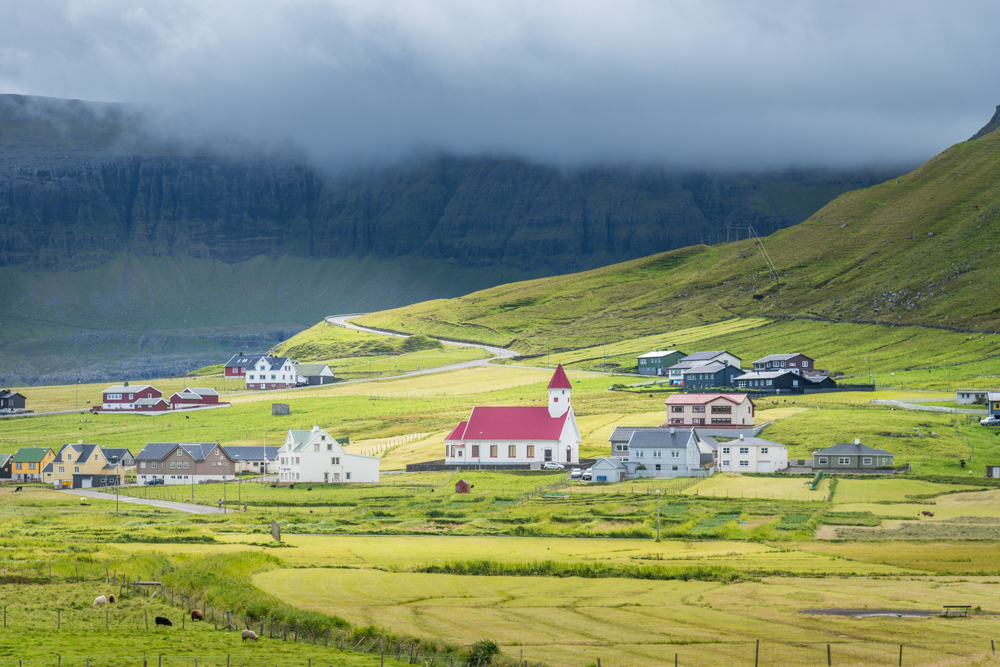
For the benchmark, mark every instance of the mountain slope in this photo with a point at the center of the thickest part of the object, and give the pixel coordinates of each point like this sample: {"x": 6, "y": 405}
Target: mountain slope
{"x": 918, "y": 249}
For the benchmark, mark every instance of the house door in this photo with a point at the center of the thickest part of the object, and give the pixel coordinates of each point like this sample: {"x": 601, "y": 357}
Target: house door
{"x": 763, "y": 466}
{"x": 569, "y": 455}
{"x": 548, "y": 455}
{"x": 326, "y": 477}
{"x": 86, "y": 483}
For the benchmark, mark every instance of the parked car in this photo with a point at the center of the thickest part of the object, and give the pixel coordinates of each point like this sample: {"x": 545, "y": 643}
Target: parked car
{"x": 156, "y": 481}
{"x": 576, "y": 473}
{"x": 553, "y": 465}
{"x": 588, "y": 474}
{"x": 990, "y": 421}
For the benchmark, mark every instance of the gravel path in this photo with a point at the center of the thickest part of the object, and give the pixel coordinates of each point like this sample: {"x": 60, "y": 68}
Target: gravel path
{"x": 190, "y": 508}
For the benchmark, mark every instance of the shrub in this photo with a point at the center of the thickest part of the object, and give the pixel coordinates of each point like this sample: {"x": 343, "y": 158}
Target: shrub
{"x": 483, "y": 651}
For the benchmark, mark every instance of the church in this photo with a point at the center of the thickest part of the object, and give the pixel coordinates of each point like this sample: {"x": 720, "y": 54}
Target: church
{"x": 519, "y": 435}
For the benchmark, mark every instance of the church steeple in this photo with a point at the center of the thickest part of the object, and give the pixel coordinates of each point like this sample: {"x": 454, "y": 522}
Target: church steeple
{"x": 559, "y": 393}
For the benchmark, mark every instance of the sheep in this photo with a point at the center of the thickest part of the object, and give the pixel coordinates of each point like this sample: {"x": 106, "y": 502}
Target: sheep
{"x": 197, "y": 615}
{"x": 99, "y": 600}
{"x": 112, "y": 599}
{"x": 249, "y": 634}
{"x": 162, "y": 620}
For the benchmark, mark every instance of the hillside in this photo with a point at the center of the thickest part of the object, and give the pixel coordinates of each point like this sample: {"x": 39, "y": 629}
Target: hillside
{"x": 125, "y": 253}
{"x": 916, "y": 250}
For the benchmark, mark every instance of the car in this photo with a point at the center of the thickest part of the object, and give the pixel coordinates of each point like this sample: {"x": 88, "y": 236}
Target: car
{"x": 156, "y": 481}
{"x": 588, "y": 475}
{"x": 553, "y": 465}
{"x": 576, "y": 473}
{"x": 990, "y": 421}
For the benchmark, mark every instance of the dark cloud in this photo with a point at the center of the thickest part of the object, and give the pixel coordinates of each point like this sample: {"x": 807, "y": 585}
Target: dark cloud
{"x": 732, "y": 84}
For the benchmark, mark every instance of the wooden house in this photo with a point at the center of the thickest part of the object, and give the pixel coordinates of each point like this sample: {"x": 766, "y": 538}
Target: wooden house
{"x": 461, "y": 486}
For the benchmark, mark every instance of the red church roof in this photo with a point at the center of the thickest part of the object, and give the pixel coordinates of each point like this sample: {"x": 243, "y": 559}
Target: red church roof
{"x": 559, "y": 379}
{"x": 509, "y": 423}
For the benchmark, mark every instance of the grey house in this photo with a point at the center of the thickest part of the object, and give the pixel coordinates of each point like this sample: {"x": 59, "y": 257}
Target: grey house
{"x": 993, "y": 404}
{"x": 970, "y": 396}
{"x": 665, "y": 452}
{"x": 773, "y": 382}
{"x": 849, "y": 456}
{"x": 657, "y": 362}
{"x": 676, "y": 372}
{"x": 710, "y": 376}
{"x": 256, "y": 459}
{"x": 620, "y": 437}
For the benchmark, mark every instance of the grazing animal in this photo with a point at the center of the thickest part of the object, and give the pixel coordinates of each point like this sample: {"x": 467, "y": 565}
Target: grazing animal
{"x": 197, "y": 615}
{"x": 99, "y": 600}
{"x": 18, "y": 489}
{"x": 249, "y": 634}
{"x": 112, "y": 599}
{"x": 163, "y": 620}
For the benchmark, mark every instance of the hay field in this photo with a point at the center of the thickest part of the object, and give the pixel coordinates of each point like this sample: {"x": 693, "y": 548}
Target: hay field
{"x": 893, "y": 489}
{"x": 731, "y": 485}
{"x": 570, "y": 621}
{"x": 933, "y": 556}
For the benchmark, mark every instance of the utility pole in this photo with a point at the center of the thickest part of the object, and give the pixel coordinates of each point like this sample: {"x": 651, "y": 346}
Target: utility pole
{"x": 657, "y": 515}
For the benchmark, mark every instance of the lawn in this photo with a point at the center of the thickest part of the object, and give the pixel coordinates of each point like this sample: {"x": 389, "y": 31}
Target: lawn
{"x": 746, "y": 486}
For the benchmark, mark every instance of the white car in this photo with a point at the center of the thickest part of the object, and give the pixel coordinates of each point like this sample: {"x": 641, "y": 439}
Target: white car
{"x": 553, "y": 465}
{"x": 576, "y": 473}
{"x": 990, "y": 421}
{"x": 588, "y": 474}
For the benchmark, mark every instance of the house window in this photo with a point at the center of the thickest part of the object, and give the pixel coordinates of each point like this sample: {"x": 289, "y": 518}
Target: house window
{"x": 722, "y": 410}
{"x": 700, "y": 422}
{"x": 744, "y": 464}
{"x": 76, "y": 468}
{"x": 173, "y": 464}
{"x": 322, "y": 437}
{"x": 335, "y": 460}
{"x": 805, "y": 364}
{"x": 725, "y": 450}
{"x": 763, "y": 450}
{"x": 770, "y": 382}
{"x": 273, "y": 376}
{"x": 725, "y": 462}
{"x": 657, "y": 466}
{"x": 720, "y": 420}
{"x": 531, "y": 451}
{"x": 62, "y": 469}
{"x": 823, "y": 460}
{"x": 844, "y": 461}
{"x": 640, "y": 454}
{"x": 674, "y": 468}
{"x": 95, "y": 457}
{"x": 867, "y": 460}
{"x": 329, "y": 447}
{"x": 657, "y": 454}
{"x": 698, "y": 408}
{"x": 251, "y": 376}
{"x": 744, "y": 450}
{"x": 180, "y": 453}
{"x": 494, "y": 451}
{"x": 154, "y": 464}
{"x": 555, "y": 399}
{"x": 675, "y": 454}
{"x": 512, "y": 451}
{"x": 31, "y": 466}
{"x": 348, "y": 477}
{"x": 316, "y": 447}
{"x": 475, "y": 450}
{"x": 186, "y": 464}
{"x": 677, "y": 408}
{"x": 676, "y": 420}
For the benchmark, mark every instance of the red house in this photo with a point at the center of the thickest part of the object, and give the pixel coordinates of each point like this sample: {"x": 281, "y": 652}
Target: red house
{"x": 461, "y": 486}
{"x": 194, "y": 397}
{"x": 125, "y": 397}
{"x": 151, "y": 405}
{"x": 238, "y": 365}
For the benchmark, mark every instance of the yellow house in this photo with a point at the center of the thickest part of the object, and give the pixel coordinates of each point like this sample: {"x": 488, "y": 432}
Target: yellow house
{"x": 83, "y": 466}
{"x": 28, "y": 463}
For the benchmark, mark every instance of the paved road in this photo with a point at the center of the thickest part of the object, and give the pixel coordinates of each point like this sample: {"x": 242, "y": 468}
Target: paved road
{"x": 913, "y": 404}
{"x": 166, "y": 504}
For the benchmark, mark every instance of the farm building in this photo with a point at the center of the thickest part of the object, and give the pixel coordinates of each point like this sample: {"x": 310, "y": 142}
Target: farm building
{"x": 184, "y": 463}
{"x": 519, "y": 435}
{"x": 317, "y": 457}
{"x": 11, "y": 402}
{"x": 126, "y": 397}
{"x": 461, "y": 486}
{"x": 82, "y": 466}
{"x": 151, "y": 405}
{"x": 751, "y": 455}
{"x": 971, "y": 396}
{"x": 313, "y": 374}
{"x": 28, "y": 462}
{"x": 608, "y": 470}
{"x": 6, "y": 465}
{"x": 991, "y": 471}
{"x": 795, "y": 362}
{"x": 676, "y": 372}
{"x": 715, "y": 410}
{"x": 851, "y": 456}
{"x": 261, "y": 460}
{"x": 195, "y": 397}
{"x": 656, "y": 363}
{"x": 710, "y": 376}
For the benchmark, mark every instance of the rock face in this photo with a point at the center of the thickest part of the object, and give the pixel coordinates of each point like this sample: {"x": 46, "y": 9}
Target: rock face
{"x": 989, "y": 127}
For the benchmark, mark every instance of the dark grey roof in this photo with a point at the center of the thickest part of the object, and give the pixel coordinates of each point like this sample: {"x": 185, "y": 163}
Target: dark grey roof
{"x": 765, "y": 375}
{"x": 238, "y": 360}
{"x": 7, "y": 393}
{"x": 80, "y": 452}
{"x": 251, "y": 453}
{"x": 616, "y": 463}
{"x": 48, "y": 467}
{"x": 157, "y": 451}
{"x": 851, "y": 449}
{"x": 706, "y": 356}
{"x": 661, "y": 437}
{"x": 709, "y": 440}
{"x": 4, "y": 459}
{"x": 713, "y": 367}
{"x": 817, "y": 378}
{"x": 777, "y": 357}
{"x": 624, "y": 433}
{"x": 121, "y": 453}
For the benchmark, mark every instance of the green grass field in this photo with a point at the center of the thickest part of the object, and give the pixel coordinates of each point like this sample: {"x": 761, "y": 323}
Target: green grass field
{"x": 889, "y": 490}
{"x": 774, "y": 487}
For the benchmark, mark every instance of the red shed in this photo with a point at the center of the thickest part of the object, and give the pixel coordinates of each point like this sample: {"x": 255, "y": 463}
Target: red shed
{"x": 461, "y": 486}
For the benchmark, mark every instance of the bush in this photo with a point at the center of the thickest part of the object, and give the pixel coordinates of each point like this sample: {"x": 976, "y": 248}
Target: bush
{"x": 483, "y": 651}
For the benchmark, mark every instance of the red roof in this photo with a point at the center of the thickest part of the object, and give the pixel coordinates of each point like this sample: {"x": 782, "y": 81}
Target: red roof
{"x": 457, "y": 432}
{"x": 510, "y": 423}
{"x": 559, "y": 379}
{"x": 701, "y": 399}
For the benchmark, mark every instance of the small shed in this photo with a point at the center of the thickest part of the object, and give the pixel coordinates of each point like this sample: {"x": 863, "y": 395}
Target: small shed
{"x": 279, "y": 409}
{"x": 461, "y": 486}
{"x": 993, "y": 471}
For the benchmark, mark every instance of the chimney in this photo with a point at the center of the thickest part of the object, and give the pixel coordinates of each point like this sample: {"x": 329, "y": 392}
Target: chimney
{"x": 126, "y": 383}
{"x": 857, "y": 441}
{"x": 79, "y": 442}
{"x": 741, "y": 436}
{"x": 671, "y": 430}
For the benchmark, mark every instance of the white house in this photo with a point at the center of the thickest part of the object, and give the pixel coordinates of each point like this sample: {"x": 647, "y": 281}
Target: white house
{"x": 970, "y": 396}
{"x": 751, "y": 455}
{"x": 519, "y": 435}
{"x": 267, "y": 372}
{"x": 316, "y": 457}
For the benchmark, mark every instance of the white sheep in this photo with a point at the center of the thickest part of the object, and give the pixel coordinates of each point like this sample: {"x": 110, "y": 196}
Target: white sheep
{"x": 249, "y": 634}
{"x": 99, "y": 600}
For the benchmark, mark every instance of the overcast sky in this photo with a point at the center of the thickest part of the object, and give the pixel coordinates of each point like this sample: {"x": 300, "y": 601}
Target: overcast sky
{"x": 727, "y": 84}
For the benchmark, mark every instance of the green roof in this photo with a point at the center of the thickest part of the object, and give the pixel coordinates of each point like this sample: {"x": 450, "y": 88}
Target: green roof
{"x": 30, "y": 454}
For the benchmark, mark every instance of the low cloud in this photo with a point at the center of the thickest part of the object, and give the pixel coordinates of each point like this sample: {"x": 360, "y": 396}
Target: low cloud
{"x": 715, "y": 84}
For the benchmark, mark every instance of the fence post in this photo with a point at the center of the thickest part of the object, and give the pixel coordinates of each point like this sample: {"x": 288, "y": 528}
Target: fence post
{"x": 598, "y": 662}
{"x": 756, "y": 655}
{"x": 993, "y": 646}
{"x": 58, "y": 619}
{"x": 160, "y": 660}
{"x": 381, "y": 650}
{"x": 900, "y": 655}
{"x": 145, "y": 615}
{"x": 829, "y": 658}
{"x": 675, "y": 660}
{"x": 105, "y": 625}
{"x": 326, "y": 642}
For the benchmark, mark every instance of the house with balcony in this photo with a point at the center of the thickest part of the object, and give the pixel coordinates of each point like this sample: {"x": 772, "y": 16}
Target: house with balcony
{"x": 712, "y": 410}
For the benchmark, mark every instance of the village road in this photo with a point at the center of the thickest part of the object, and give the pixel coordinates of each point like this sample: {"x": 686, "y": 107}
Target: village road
{"x": 190, "y": 508}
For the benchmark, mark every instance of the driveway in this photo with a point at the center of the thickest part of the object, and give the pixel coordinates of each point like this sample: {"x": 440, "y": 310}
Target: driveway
{"x": 190, "y": 508}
